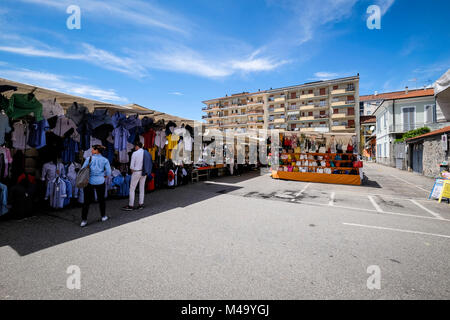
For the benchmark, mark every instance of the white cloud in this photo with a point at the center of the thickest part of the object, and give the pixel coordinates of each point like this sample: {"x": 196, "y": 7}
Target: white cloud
{"x": 385, "y": 5}
{"x": 61, "y": 84}
{"x": 89, "y": 54}
{"x": 176, "y": 93}
{"x": 136, "y": 12}
{"x": 307, "y": 17}
{"x": 254, "y": 64}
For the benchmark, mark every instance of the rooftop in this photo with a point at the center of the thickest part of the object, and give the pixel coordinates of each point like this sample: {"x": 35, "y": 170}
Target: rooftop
{"x": 430, "y": 134}
{"x": 398, "y": 95}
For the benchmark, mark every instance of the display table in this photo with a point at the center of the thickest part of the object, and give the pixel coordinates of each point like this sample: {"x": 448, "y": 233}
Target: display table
{"x": 318, "y": 177}
{"x": 318, "y": 167}
{"x": 205, "y": 171}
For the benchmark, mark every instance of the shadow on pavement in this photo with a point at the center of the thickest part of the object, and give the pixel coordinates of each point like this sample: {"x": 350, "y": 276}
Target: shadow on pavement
{"x": 37, "y": 233}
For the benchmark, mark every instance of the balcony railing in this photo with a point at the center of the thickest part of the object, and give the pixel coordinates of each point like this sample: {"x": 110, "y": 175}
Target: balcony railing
{"x": 404, "y": 127}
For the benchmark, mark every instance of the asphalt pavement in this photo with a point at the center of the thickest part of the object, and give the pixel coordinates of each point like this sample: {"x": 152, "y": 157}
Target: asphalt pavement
{"x": 247, "y": 237}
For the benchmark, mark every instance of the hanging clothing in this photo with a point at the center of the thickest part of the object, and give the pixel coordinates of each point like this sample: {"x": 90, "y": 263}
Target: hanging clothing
{"x": 109, "y": 152}
{"x": 64, "y": 127}
{"x": 85, "y": 132}
{"x": 37, "y": 137}
{"x": 68, "y": 192}
{"x": 50, "y": 171}
{"x": 71, "y": 148}
{"x": 3, "y": 199}
{"x": 51, "y": 108}
{"x": 149, "y": 138}
{"x": 71, "y": 175}
{"x": 20, "y": 135}
{"x": 56, "y": 192}
{"x": 120, "y": 135}
{"x": 78, "y": 113}
{"x": 101, "y": 124}
{"x": 123, "y": 156}
{"x": 22, "y": 104}
{"x": 4, "y": 127}
{"x": 7, "y": 160}
{"x": 118, "y": 119}
{"x": 160, "y": 139}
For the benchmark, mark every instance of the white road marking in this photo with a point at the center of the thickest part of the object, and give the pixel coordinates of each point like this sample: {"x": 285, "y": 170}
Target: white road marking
{"x": 332, "y": 195}
{"x": 399, "y": 230}
{"x": 303, "y": 190}
{"x": 377, "y": 207}
{"x": 405, "y": 181}
{"x": 437, "y": 215}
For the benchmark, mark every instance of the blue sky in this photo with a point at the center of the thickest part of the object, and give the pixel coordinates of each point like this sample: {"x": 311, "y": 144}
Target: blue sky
{"x": 171, "y": 55}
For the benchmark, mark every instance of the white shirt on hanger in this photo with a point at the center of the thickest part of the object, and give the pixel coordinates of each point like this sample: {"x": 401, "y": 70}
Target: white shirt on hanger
{"x": 19, "y": 136}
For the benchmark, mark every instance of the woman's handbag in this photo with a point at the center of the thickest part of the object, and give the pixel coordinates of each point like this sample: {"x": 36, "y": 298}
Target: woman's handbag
{"x": 83, "y": 175}
{"x": 357, "y": 164}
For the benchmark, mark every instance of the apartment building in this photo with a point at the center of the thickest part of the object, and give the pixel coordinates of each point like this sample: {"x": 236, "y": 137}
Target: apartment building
{"x": 330, "y": 106}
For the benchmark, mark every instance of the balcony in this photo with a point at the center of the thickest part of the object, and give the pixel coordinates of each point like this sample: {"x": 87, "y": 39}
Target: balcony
{"x": 343, "y": 128}
{"x": 306, "y": 118}
{"x": 307, "y": 96}
{"x": 279, "y": 100}
{"x": 315, "y": 129}
{"x": 277, "y": 110}
{"x": 279, "y": 120}
{"x": 255, "y": 112}
{"x": 338, "y": 91}
{"x": 253, "y": 103}
{"x": 313, "y": 107}
{"x": 341, "y": 116}
{"x": 343, "y": 103}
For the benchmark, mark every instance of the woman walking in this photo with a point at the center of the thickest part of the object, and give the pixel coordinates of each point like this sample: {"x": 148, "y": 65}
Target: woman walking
{"x": 99, "y": 170}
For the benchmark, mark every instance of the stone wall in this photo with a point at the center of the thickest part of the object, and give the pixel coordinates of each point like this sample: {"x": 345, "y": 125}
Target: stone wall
{"x": 433, "y": 155}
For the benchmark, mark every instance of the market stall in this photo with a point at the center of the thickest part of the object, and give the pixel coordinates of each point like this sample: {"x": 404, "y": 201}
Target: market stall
{"x": 323, "y": 158}
{"x": 45, "y": 136}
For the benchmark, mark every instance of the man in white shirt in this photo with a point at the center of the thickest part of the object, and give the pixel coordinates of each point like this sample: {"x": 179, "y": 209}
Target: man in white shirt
{"x": 136, "y": 166}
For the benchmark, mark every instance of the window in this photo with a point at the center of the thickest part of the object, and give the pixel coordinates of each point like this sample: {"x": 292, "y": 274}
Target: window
{"x": 310, "y": 91}
{"x": 429, "y": 114}
{"x": 335, "y": 87}
{"x": 293, "y": 95}
{"x": 322, "y": 92}
{"x": 409, "y": 118}
{"x": 310, "y": 113}
{"x": 351, "y": 112}
{"x": 350, "y": 87}
{"x": 322, "y": 112}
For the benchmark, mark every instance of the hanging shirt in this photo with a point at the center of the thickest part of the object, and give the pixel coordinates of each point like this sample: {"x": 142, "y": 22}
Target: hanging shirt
{"x": 72, "y": 176}
{"x": 20, "y": 135}
{"x": 70, "y": 150}
{"x": 149, "y": 138}
{"x": 51, "y": 108}
{"x": 56, "y": 192}
{"x": 22, "y": 104}
{"x": 78, "y": 113}
{"x": 3, "y": 199}
{"x": 99, "y": 169}
{"x": 7, "y": 160}
{"x": 120, "y": 135}
{"x": 123, "y": 156}
{"x": 160, "y": 139}
{"x": 152, "y": 152}
{"x": 36, "y": 138}
{"x": 63, "y": 125}
{"x": 49, "y": 171}
{"x": 4, "y": 127}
